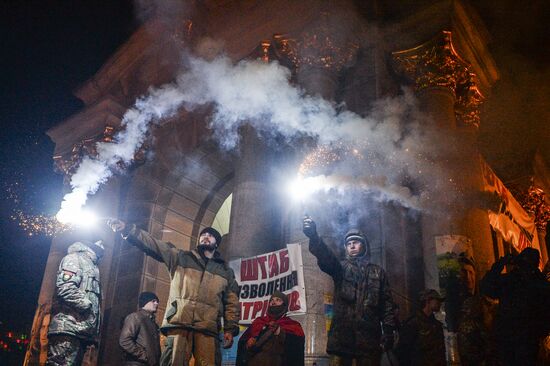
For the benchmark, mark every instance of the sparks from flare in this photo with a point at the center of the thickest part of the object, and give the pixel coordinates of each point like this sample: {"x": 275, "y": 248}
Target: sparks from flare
{"x": 326, "y": 156}
{"x": 314, "y": 171}
{"x": 35, "y": 225}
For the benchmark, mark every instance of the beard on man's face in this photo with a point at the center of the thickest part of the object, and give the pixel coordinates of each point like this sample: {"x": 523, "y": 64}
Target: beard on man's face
{"x": 207, "y": 247}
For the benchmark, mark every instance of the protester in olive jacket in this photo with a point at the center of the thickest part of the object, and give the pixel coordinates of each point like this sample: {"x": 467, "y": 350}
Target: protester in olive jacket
{"x": 76, "y": 309}
{"x": 273, "y": 339}
{"x": 421, "y": 339}
{"x": 202, "y": 291}
{"x": 363, "y": 307}
{"x": 139, "y": 337}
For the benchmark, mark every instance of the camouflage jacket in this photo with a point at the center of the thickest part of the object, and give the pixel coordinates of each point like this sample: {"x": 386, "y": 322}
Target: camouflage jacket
{"x": 473, "y": 335}
{"x": 76, "y": 307}
{"x": 421, "y": 342}
{"x": 201, "y": 292}
{"x": 362, "y": 302}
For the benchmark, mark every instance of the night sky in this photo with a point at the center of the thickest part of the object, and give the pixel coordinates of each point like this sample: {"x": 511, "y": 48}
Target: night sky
{"x": 50, "y": 47}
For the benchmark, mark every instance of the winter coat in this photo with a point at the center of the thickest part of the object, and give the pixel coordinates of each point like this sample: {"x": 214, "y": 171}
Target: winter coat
{"x": 421, "y": 342}
{"x": 524, "y": 300}
{"x": 522, "y": 318}
{"x": 201, "y": 291}
{"x": 140, "y": 340}
{"x": 76, "y": 307}
{"x": 285, "y": 349}
{"x": 362, "y": 302}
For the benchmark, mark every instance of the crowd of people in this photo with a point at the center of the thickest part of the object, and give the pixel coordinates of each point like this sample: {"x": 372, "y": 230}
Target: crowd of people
{"x": 502, "y": 320}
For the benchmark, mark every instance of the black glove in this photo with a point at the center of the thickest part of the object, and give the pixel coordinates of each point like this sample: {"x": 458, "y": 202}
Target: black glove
{"x": 309, "y": 227}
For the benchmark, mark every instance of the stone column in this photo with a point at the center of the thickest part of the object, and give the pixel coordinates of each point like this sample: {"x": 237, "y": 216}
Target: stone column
{"x": 255, "y": 217}
{"x": 319, "y": 286}
{"x": 447, "y": 92}
{"x": 318, "y": 59}
{"x": 533, "y": 200}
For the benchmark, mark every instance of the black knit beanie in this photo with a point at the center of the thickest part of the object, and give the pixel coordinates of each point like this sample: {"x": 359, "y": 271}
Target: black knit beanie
{"x": 214, "y": 233}
{"x": 145, "y": 297}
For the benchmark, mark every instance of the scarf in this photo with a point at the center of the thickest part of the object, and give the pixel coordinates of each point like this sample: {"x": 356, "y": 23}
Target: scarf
{"x": 286, "y": 324}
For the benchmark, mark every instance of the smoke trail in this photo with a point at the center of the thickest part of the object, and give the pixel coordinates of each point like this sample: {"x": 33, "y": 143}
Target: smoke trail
{"x": 303, "y": 189}
{"x": 93, "y": 172}
{"x": 261, "y": 94}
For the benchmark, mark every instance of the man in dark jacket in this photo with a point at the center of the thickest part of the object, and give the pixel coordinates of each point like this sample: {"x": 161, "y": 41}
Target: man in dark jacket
{"x": 273, "y": 339}
{"x": 522, "y": 315}
{"x": 363, "y": 307}
{"x": 139, "y": 338}
{"x": 76, "y": 309}
{"x": 202, "y": 291}
{"x": 421, "y": 339}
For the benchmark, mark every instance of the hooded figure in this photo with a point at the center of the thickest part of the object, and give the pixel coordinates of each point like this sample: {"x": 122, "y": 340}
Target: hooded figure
{"x": 76, "y": 309}
{"x": 273, "y": 339}
{"x": 364, "y": 311}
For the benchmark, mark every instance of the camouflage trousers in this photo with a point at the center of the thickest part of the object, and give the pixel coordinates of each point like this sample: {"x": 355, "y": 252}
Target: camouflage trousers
{"x": 336, "y": 360}
{"x": 65, "y": 350}
{"x": 181, "y": 344}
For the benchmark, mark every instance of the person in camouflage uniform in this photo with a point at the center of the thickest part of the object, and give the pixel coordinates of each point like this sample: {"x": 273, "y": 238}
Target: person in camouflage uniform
{"x": 522, "y": 315}
{"x": 474, "y": 344}
{"x": 75, "y": 317}
{"x": 363, "y": 305}
{"x": 421, "y": 340}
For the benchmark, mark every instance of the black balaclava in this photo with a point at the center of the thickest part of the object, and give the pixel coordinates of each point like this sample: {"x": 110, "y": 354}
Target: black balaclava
{"x": 280, "y": 310}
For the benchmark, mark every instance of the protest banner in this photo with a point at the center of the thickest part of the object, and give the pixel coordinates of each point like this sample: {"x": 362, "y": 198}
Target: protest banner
{"x": 259, "y": 276}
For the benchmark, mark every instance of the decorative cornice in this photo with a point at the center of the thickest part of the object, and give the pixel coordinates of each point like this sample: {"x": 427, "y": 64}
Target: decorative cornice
{"x": 436, "y": 64}
{"x": 183, "y": 33}
{"x": 468, "y": 103}
{"x": 533, "y": 200}
{"x": 319, "y": 46}
{"x": 68, "y": 163}
{"x": 264, "y": 52}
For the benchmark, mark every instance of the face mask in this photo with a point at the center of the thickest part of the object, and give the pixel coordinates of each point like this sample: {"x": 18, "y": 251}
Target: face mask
{"x": 277, "y": 311}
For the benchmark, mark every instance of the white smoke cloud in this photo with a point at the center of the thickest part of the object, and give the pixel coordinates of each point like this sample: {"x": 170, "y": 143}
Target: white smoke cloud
{"x": 302, "y": 189}
{"x": 262, "y": 95}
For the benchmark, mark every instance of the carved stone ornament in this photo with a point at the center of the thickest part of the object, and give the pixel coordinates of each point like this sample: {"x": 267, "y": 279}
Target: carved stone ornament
{"x": 265, "y": 52}
{"x": 319, "y": 46}
{"x": 68, "y": 163}
{"x": 183, "y": 32}
{"x": 437, "y": 64}
{"x": 533, "y": 201}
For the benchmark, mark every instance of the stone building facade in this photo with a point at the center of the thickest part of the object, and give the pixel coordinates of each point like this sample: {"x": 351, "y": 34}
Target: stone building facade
{"x": 352, "y": 52}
